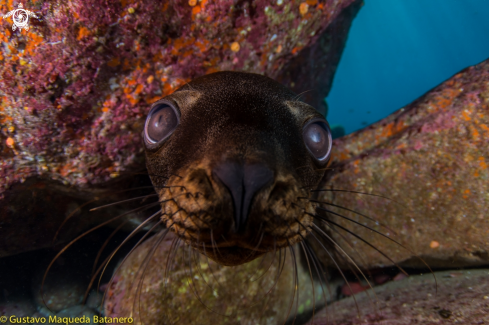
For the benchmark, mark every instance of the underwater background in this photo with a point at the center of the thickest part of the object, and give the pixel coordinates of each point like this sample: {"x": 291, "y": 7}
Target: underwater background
{"x": 75, "y": 90}
{"x": 398, "y": 50}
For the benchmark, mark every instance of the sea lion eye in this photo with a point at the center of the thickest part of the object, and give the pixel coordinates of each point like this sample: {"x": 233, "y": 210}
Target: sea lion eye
{"x": 162, "y": 120}
{"x": 318, "y": 140}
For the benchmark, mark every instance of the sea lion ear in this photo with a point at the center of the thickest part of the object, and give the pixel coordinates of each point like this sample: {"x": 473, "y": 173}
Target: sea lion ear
{"x": 300, "y": 110}
{"x": 185, "y": 99}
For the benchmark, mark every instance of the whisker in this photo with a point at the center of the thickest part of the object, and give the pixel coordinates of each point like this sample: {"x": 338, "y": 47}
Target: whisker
{"x": 315, "y": 259}
{"x": 190, "y": 280}
{"x": 296, "y": 98}
{"x": 123, "y": 201}
{"x": 269, "y": 266}
{"x": 171, "y": 257}
{"x": 338, "y": 268}
{"x": 347, "y": 209}
{"x": 106, "y": 242}
{"x": 210, "y": 268}
{"x": 196, "y": 256}
{"x": 296, "y": 284}
{"x": 253, "y": 252}
{"x": 262, "y": 260}
{"x": 106, "y": 261}
{"x": 383, "y": 235}
{"x": 371, "y": 229}
{"x": 91, "y": 201}
{"x": 312, "y": 280}
{"x": 214, "y": 245}
{"x": 141, "y": 226}
{"x": 145, "y": 265}
{"x": 81, "y": 236}
{"x": 365, "y": 241}
{"x": 358, "y": 192}
{"x": 348, "y": 257}
{"x": 364, "y": 263}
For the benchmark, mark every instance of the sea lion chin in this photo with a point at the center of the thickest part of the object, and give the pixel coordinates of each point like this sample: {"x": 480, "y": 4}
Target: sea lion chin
{"x": 230, "y": 155}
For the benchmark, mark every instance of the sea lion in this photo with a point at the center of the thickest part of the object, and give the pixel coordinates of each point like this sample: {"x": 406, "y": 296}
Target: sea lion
{"x": 236, "y": 161}
{"x": 230, "y": 155}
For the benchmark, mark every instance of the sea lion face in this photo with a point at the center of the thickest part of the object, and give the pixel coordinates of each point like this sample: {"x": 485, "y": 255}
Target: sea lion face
{"x": 230, "y": 154}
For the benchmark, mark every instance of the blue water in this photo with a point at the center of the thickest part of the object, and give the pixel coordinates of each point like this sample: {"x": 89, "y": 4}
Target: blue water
{"x": 399, "y": 49}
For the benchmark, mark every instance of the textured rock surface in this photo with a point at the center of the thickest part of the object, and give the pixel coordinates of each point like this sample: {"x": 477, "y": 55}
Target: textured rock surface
{"x": 64, "y": 285}
{"x": 21, "y": 307}
{"x": 232, "y": 295}
{"x": 75, "y": 88}
{"x": 462, "y": 298}
{"x": 40, "y": 213}
{"x": 430, "y": 156}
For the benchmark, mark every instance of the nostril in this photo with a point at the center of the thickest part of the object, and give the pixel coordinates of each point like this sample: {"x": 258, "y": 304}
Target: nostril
{"x": 243, "y": 182}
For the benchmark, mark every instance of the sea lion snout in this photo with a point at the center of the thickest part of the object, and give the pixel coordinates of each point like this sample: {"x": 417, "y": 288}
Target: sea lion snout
{"x": 243, "y": 181}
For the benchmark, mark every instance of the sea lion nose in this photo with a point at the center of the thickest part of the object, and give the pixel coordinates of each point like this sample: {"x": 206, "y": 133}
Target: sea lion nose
{"x": 243, "y": 182}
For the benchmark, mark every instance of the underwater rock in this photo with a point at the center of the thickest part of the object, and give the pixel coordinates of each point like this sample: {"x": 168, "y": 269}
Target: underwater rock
{"x": 337, "y": 131}
{"x": 94, "y": 301}
{"x": 430, "y": 162}
{"x": 41, "y": 213}
{"x": 64, "y": 286}
{"x": 246, "y": 294}
{"x": 20, "y": 307}
{"x": 310, "y": 74}
{"x": 75, "y": 87}
{"x": 77, "y": 311}
{"x": 461, "y": 298}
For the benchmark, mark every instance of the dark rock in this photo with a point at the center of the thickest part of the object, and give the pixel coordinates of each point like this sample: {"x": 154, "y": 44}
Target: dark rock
{"x": 77, "y": 311}
{"x": 94, "y": 301}
{"x": 64, "y": 286}
{"x": 337, "y": 131}
{"x": 311, "y": 73}
{"x": 19, "y": 306}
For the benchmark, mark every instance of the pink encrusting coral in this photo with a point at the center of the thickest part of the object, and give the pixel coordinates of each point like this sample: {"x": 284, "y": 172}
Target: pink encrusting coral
{"x": 75, "y": 87}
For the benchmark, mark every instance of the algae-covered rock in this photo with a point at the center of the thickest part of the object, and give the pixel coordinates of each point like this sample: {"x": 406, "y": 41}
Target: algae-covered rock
{"x": 196, "y": 289}
{"x": 461, "y": 297}
{"x": 429, "y": 162}
{"x": 75, "y": 87}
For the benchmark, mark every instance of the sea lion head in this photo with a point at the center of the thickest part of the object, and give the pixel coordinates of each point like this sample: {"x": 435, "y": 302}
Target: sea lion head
{"x": 230, "y": 154}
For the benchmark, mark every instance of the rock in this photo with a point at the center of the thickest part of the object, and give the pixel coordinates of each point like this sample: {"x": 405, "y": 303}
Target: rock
{"x": 76, "y": 87}
{"x": 232, "y": 295}
{"x": 429, "y": 160}
{"x": 64, "y": 286}
{"x": 337, "y": 131}
{"x": 41, "y": 213}
{"x": 94, "y": 300}
{"x": 311, "y": 73}
{"x": 19, "y": 306}
{"x": 77, "y": 311}
{"x": 460, "y": 298}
